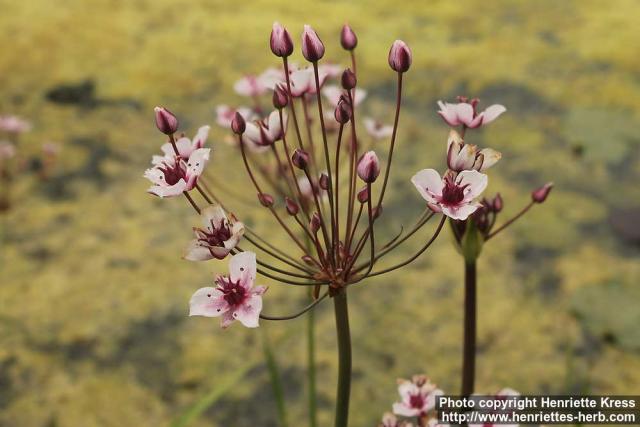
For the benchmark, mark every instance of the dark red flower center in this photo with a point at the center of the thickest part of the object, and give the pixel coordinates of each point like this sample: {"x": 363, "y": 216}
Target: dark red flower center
{"x": 452, "y": 193}
{"x": 234, "y": 293}
{"x": 218, "y": 236}
{"x": 416, "y": 401}
{"x": 173, "y": 172}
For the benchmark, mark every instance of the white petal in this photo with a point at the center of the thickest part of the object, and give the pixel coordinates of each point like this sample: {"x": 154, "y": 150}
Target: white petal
{"x": 169, "y": 191}
{"x": 460, "y": 212}
{"x": 448, "y": 113}
{"x": 249, "y": 313}
{"x": 359, "y": 96}
{"x": 243, "y": 267}
{"x": 184, "y": 147}
{"x": 201, "y": 137}
{"x": 207, "y": 302}
{"x": 492, "y": 113}
{"x": 332, "y": 93}
{"x": 404, "y": 411}
{"x": 195, "y": 166}
{"x": 213, "y": 214}
{"x": 475, "y": 181}
{"x": 155, "y": 175}
{"x": 430, "y": 401}
{"x": 197, "y": 252}
{"x": 429, "y": 184}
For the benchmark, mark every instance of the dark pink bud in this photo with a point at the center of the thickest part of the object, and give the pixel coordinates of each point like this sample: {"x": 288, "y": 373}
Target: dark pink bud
{"x": 312, "y": 47}
{"x": 400, "y": 56}
{"x": 166, "y": 122}
{"x": 363, "y": 195}
{"x": 238, "y": 125}
{"x": 300, "y": 159}
{"x": 280, "y": 97}
{"x": 348, "y": 79}
{"x": 369, "y": 167}
{"x": 497, "y": 203}
{"x": 348, "y": 38}
{"x": 324, "y": 181}
{"x": 281, "y": 43}
{"x": 265, "y": 199}
{"x": 292, "y": 207}
{"x": 540, "y": 195}
{"x": 343, "y": 111}
{"x": 315, "y": 223}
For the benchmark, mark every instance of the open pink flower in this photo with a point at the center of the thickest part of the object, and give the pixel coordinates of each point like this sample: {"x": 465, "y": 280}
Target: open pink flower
{"x": 218, "y": 237}
{"x": 464, "y": 113}
{"x": 173, "y": 174}
{"x": 376, "y": 129}
{"x": 266, "y": 131}
{"x": 452, "y": 195}
{"x": 251, "y": 86}
{"x": 418, "y": 397}
{"x": 461, "y": 156}
{"x": 14, "y": 124}
{"x": 333, "y": 94}
{"x": 234, "y": 297}
{"x": 224, "y": 115}
{"x": 303, "y": 81}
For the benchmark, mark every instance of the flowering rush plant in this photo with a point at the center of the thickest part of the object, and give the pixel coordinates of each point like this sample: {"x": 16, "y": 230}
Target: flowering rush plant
{"x": 325, "y": 193}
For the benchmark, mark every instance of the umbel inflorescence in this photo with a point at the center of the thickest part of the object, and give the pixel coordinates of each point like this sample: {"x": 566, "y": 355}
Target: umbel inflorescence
{"x": 326, "y": 192}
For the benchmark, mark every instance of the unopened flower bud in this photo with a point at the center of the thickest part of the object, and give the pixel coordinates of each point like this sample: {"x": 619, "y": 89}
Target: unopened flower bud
{"x": 497, "y": 203}
{"x": 292, "y": 207}
{"x": 312, "y": 47}
{"x": 324, "y": 181}
{"x": 280, "y": 97}
{"x": 281, "y": 43}
{"x": 238, "y": 125}
{"x": 166, "y": 122}
{"x": 363, "y": 195}
{"x": 540, "y": 195}
{"x": 348, "y": 79}
{"x": 300, "y": 159}
{"x": 342, "y": 112}
{"x": 400, "y": 56}
{"x": 314, "y": 223}
{"x": 265, "y": 199}
{"x": 369, "y": 167}
{"x": 348, "y": 38}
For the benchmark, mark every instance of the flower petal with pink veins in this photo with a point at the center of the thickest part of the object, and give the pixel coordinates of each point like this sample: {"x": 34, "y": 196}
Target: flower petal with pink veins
{"x": 429, "y": 184}
{"x": 249, "y": 312}
{"x": 243, "y": 267}
{"x": 208, "y": 302}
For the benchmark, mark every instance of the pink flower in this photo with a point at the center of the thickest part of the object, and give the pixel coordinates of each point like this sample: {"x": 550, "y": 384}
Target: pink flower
{"x": 265, "y": 132}
{"x": 464, "y": 113}
{"x": 7, "y": 150}
{"x": 376, "y": 129}
{"x": 461, "y": 156}
{"x": 330, "y": 70}
{"x": 173, "y": 174}
{"x": 303, "y": 81}
{"x": 14, "y": 124}
{"x": 224, "y": 115}
{"x": 418, "y": 397}
{"x": 218, "y": 236}
{"x": 453, "y": 195}
{"x": 250, "y": 86}
{"x": 234, "y": 297}
{"x": 333, "y": 94}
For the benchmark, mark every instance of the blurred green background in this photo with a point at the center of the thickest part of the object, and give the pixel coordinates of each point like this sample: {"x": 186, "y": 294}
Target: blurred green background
{"x": 93, "y": 295}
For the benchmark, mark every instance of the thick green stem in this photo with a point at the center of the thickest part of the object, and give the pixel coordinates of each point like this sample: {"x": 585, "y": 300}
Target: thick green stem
{"x": 344, "y": 358}
{"x": 470, "y": 309}
{"x": 276, "y": 381}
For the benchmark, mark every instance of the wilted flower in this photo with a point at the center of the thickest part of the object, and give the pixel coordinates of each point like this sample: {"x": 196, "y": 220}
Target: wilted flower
{"x": 312, "y": 47}
{"x": 333, "y": 94}
{"x": 376, "y": 129}
{"x": 218, "y": 237}
{"x": 464, "y": 113}
{"x": 14, "y": 124}
{"x": 235, "y": 297}
{"x": 461, "y": 156}
{"x": 266, "y": 131}
{"x": 453, "y": 196}
{"x": 400, "y": 56}
{"x": 224, "y": 115}
{"x": 418, "y": 397}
